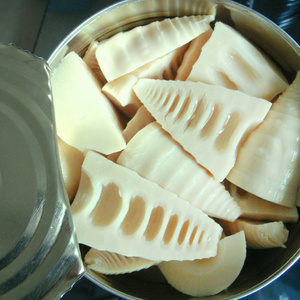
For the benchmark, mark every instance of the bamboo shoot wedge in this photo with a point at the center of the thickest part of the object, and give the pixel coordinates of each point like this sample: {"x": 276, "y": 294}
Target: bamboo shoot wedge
{"x": 268, "y": 164}
{"x": 127, "y": 51}
{"x": 192, "y": 55}
{"x": 116, "y": 210}
{"x": 71, "y": 160}
{"x": 206, "y": 277}
{"x": 230, "y": 60}
{"x": 154, "y": 155}
{"x": 210, "y": 122}
{"x": 106, "y": 262}
{"x": 90, "y": 59}
{"x": 120, "y": 90}
{"x": 138, "y": 121}
{"x": 85, "y": 119}
{"x": 255, "y": 208}
{"x": 141, "y": 119}
{"x": 259, "y": 235}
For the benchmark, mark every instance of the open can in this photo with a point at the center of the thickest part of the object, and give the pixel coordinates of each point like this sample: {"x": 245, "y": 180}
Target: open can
{"x": 42, "y": 258}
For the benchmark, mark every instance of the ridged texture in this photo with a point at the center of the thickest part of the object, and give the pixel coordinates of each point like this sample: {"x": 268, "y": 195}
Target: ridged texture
{"x": 153, "y": 154}
{"x": 114, "y": 203}
{"x": 106, "y": 262}
{"x": 259, "y": 235}
{"x": 39, "y": 254}
{"x": 120, "y": 90}
{"x": 255, "y": 208}
{"x": 206, "y": 277}
{"x": 127, "y": 51}
{"x": 210, "y": 122}
{"x": 268, "y": 164}
{"x": 230, "y": 60}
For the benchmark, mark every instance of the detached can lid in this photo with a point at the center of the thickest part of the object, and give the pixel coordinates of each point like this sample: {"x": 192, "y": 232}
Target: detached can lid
{"x": 39, "y": 253}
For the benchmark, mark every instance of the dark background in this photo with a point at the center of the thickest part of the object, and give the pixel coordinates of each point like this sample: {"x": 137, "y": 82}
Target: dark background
{"x": 40, "y": 25}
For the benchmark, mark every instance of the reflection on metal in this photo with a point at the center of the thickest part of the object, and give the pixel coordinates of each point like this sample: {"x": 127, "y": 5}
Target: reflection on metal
{"x": 39, "y": 254}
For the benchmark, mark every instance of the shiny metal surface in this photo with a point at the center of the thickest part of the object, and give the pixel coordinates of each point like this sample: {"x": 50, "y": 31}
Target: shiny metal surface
{"x": 261, "y": 267}
{"x": 39, "y": 255}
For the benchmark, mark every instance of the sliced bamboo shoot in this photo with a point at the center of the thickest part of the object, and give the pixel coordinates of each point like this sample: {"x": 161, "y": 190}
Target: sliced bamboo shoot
{"x": 85, "y": 119}
{"x": 207, "y": 277}
{"x": 106, "y": 262}
{"x": 154, "y": 155}
{"x": 210, "y": 122}
{"x": 141, "y": 119}
{"x": 255, "y": 208}
{"x": 268, "y": 164}
{"x": 259, "y": 235}
{"x": 71, "y": 160}
{"x": 230, "y": 60}
{"x": 192, "y": 55}
{"x": 120, "y": 90}
{"x": 116, "y": 210}
{"x": 90, "y": 59}
{"x": 127, "y": 51}
{"x": 138, "y": 121}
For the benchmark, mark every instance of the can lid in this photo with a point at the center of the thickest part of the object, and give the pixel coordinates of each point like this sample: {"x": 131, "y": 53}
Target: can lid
{"x": 39, "y": 253}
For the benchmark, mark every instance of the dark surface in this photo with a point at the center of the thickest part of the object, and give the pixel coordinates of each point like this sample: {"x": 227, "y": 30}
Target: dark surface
{"x": 40, "y": 25}
{"x": 284, "y": 288}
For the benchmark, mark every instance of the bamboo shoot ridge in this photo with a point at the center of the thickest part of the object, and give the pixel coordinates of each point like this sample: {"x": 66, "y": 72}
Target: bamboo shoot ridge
{"x": 165, "y": 227}
{"x": 201, "y": 116}
{"x": 127, "y": 51}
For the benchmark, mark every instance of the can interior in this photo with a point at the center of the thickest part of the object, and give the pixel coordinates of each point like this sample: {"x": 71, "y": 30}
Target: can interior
{"x": 261, "y": 266}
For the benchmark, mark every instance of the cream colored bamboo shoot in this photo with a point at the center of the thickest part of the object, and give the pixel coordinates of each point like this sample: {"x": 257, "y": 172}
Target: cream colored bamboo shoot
{"x": 127, "y": 51}
{"x": 210, "y": 122}
{"x": 208, "y": 277}
{"x": 106, "y": 262}
{"x": 116, "y": 210}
